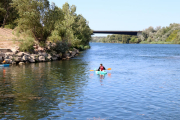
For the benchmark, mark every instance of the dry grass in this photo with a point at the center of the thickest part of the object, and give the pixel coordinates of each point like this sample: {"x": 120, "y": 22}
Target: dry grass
{"x": 7, "y": 39}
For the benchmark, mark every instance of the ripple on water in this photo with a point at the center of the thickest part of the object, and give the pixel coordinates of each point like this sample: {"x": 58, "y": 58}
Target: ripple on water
{"x": 143, "y": 84}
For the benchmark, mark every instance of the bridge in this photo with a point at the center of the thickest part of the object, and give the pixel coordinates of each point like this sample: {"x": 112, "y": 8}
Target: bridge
{"x": 118, "y": 32}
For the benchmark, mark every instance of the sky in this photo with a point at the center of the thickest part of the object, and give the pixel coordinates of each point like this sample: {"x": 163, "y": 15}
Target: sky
{"x": 130, "y": 15}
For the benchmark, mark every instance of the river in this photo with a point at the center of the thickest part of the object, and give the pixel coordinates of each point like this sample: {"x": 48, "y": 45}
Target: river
{"x": 144, "y": 83}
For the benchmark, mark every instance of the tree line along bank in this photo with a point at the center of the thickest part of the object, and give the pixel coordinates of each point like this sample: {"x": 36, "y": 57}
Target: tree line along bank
{"x": 158, "y": 35}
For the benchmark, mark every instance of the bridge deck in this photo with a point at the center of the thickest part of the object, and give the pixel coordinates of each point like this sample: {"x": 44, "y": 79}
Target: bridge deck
{"x": 118, "y": 32}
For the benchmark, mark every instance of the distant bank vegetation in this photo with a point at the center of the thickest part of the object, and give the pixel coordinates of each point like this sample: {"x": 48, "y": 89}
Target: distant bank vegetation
{"x": 39, "y": 21}
{"x": 158, "y": 35}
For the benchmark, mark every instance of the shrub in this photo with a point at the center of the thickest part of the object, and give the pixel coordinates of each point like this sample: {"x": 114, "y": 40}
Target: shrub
{"x": 86, "y": 47}
{"x": 172, "y": 36}
{"x": 10, "y": 26}
{"x": 27, "y": 45}
{"x": 60, "y": 47}
{"x": 80, "y": 47}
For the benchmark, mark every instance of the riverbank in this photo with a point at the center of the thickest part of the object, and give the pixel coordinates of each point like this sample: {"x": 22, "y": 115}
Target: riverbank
{"x": 16, "y": 57}
{"x": 11, "y": 53}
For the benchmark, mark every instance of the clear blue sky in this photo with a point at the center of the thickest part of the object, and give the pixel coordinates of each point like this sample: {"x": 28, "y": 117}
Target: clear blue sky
{"x": 126, "y": 14}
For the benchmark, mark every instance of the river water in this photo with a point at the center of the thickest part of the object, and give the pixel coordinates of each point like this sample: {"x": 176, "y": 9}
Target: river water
{"x": 144, "y": 83}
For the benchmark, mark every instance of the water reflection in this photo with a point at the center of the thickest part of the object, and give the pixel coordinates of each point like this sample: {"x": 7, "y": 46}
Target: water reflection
{"x": 37, "y": 90}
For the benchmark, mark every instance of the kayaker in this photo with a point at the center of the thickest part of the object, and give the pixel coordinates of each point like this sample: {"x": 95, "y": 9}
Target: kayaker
{"x": 101, "y": 68}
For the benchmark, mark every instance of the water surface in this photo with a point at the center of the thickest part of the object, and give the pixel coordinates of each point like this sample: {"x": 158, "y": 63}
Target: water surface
{"x": 143, "y": 84}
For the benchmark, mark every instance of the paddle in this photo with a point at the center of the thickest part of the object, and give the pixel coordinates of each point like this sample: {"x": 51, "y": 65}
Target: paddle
{"x": 106, "y": 69}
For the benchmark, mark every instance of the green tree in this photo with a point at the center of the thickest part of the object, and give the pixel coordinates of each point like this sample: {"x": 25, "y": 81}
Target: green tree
{"x": 7, "y": 13}
{"x": 31, "y": 17}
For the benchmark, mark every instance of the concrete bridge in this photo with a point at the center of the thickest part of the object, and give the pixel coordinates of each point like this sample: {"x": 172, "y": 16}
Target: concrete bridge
{"x": 118, "y": 32}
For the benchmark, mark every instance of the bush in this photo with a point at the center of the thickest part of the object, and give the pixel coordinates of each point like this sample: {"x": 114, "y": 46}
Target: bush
{"x": 80, "y": 47}
{"x": 60, "y": 47}
{"x": 27, "y": 45}
{"x": 86, "y": 47}
{"x": 172, "y": 36}
{"x": 10, "y": 26}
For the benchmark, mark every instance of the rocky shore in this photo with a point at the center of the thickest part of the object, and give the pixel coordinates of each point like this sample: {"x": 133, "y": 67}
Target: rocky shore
{"x": 17, "y": 57}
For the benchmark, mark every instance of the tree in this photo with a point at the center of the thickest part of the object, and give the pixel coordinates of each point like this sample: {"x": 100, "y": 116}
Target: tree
{"x": 31, "y": 17}
{"x": 7, "y": 13}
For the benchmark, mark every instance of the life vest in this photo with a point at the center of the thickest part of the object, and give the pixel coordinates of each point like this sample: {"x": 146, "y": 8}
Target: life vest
{"x": 101, "y": 68}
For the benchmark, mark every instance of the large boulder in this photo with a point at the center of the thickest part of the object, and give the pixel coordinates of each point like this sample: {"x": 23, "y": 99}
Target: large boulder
{"x": 49, "y": 57}
{"x": 24, "y": 58}
{"x": 73, "y": 53}
{"x": 42, "y": 59}
{"x": 44, "y": 54}
{"x": 34, "y": 57}
{"x": 20, "y": 54}
{"x": 27, "y": 54}
{"x": 32, "y": 61}
{"x": 76, "y": 50}
{"x": 17, "y": 59}
{"x": 9, "y": 55}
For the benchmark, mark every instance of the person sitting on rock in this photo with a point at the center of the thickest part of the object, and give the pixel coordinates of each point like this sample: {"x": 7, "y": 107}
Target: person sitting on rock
{"x": 101, "y": 68}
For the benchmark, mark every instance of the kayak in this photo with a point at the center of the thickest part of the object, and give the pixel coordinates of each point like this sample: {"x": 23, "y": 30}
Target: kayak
{"x": 4, "y": 65}
{"x": 100, "y": 72}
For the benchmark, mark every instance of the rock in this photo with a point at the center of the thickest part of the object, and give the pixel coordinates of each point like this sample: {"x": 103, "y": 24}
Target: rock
{"x": 20, "y": 54}
{"x": 21, "y": 63}
{"x": 68, "y": 57}
{"x": 15, "y": 50}
{"x": 40, "y": 49}
{"x": 31, "y": 60}
{"x": 27, "y": 54}
{"x": 76, "y": 50}
{"x": 1, "y": 59}
{"x": 63, "y": 58}
{"x": 73, "y": 53}
{"x": 54, "y": 58}
{"x": 2, "y": 54}
{"x": 34, "y": 57}
{"x": 11, "y": 57}
{"x": 42, "y": 59}
{"x": 17, "y": 59}
{"x": 9, "y": 54}
{"x": 44, "y": 54}
{"x": 8, "y": 61}
{"x": 24, "y": 58}
{"x": 49, "y": 57}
